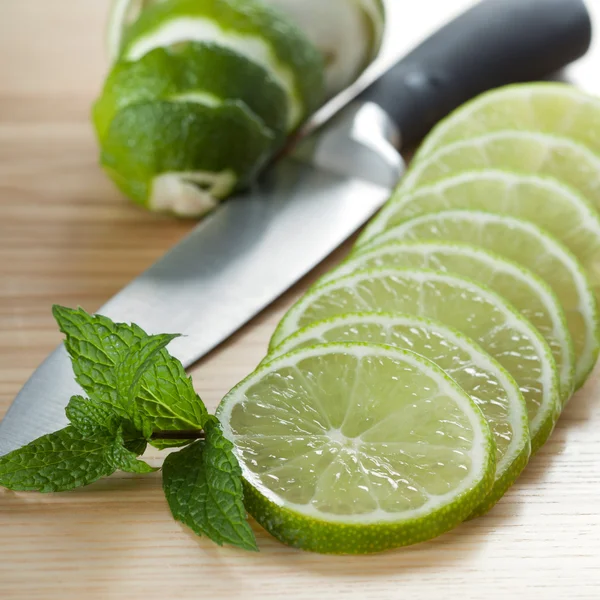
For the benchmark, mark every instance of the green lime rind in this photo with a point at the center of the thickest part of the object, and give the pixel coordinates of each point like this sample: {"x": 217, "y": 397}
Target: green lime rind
{"x": 339, "y": 534}
{"x": 150, "y": 139}
{"x": 555, "y": 108}
{"x": 251, "y": 28}
{"x": 459, "y": 356}
{"x": 121, "y": 15}
{"x": 532, "y": 247}
{"x": 198, "y": 68}
{"x": 528, "y": 152}
{"x": 395, "y": 290}
{"x": 526, "y": 291}
{"x": 502, "y": 485}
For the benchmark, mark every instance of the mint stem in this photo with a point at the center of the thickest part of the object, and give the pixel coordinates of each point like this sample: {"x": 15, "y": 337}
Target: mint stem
{"x": 190, "y": 434}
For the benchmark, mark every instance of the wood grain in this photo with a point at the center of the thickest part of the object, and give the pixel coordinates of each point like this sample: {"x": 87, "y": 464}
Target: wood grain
{"x": 66, "y": 236}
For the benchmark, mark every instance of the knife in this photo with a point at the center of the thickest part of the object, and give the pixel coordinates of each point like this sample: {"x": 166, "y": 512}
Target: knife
{"x": 255, "y": 246}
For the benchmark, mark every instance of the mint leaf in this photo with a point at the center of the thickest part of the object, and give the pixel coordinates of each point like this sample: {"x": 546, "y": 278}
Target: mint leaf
{"x": 125, "y": 460}
{"x": 97, "y": 345}
{"x": 57, "y": 462}
{"x": 91, "y": 418}
{"x": 129, "y": 374}
{"x": 167, "y": 395}
{"x": 138, "y": 446}
{"x": 202, "y": 484}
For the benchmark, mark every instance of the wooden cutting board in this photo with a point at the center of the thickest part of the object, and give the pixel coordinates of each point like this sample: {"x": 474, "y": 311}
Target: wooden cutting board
{"x": 67, "y": 237}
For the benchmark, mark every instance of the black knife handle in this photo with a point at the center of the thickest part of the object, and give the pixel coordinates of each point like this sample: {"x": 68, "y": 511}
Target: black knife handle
{"x": 494, "y": 43}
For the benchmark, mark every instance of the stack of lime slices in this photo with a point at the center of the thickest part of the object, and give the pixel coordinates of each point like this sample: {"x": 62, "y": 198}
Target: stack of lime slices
{"x": 407, "y": 389}
{"x": 202, "y": 93}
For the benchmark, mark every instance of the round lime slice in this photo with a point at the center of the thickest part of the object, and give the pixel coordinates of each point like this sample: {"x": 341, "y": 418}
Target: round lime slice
{"x": 181, "y": 157}
{"x": 357, "y": 448}
{"x": 201, "y": 72}
{"x": 473, "y": 309}
{"x": 519, "y": 151}
{"x": 527, "y": 292}
{"x": 532, "y": 247}
{"x": 250, "y": 28}
{"x": 558, "y": 209}
{"x": 555, "y": 108}
{"x": 494, "y": 391}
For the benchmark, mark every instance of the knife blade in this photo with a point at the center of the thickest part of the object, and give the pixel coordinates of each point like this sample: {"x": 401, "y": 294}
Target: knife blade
{"x": 255, "y": 246}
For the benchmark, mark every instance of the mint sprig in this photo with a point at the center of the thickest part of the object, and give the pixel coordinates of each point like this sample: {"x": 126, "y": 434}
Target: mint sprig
{"x": 137, "y": 393}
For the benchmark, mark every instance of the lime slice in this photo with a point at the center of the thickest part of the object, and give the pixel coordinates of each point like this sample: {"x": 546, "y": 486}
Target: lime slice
{"x": 181, "y": 157}
{"x": 555, "y": 108}
{"x": 357, "y": 448}
{"x": 558, "y": 209}
{"x": 534, "y": 249}
{"x": 476, "y": 311}
{"x": 521, "y": 151}
{"x": 202, "y": 72}
{"x": 251, "y": 28}
{"x": 527, "y": 292}
{"x": 494, "y": 391}
{"x": 348, "y": 34}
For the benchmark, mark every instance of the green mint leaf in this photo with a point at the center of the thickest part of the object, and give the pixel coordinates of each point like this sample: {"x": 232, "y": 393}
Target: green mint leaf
{"x": 129, "y": 373}
{"x": 125, "y": 460}
{"x": 96, "y": 345}
{"x": 57, "y": 462}
{"x": 168, "y": 396}
{"x": 203, "y": 486}
{"x": 91, "y": 418}
{"x": 138, "y": 446}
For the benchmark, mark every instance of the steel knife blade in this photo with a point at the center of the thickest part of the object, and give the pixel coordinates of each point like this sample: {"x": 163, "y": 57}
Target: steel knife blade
{"x": 255, "y": 246}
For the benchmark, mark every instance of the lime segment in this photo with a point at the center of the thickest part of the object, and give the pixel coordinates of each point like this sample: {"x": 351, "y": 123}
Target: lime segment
{"x": 494, "y": 391}
{"x": 476, "y": 311}
{"x": 357, "y": 448}
{"x": 531, "y": 247}
{"x": 527, "y": 292}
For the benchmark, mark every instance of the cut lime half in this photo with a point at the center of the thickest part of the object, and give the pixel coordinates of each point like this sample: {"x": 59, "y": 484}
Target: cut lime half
{"x": 527, "y": 292}
{"x": 357, "y": 448}
{"x": 494, "y": 391}
{"x": 465, "y": 305}
{"x": 532, "y": 247}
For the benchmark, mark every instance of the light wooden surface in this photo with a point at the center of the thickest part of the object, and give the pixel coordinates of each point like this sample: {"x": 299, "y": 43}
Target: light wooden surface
{"x": 67, "y": 237}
